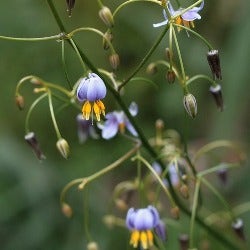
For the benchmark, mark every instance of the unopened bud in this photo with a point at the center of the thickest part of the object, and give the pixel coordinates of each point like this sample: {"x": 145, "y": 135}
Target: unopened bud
{"x": 238, "y": 227}
{"x": 114, "y": 61}
{"x": 35, "y": 81}
{"x": 175, "y": 212}
{"x": 20, "y": 102}
{"x": 63, "y": 147}
{"x": 222, "y": 174}
{"x": 184, "y": 191}
{"x": 184, "y": 241}
{"x": 159, "y": 124}
{"x": 30, "y": 138}
{"x": 109, "y": 221}
{"x": 170, "y": 76}
{"x": 169, "y": 54}
{"x": 108, "y": 36}
{"x": 214, "y": 63}
{"x": 217, "y": 94}
{"x": 70, "y": 4}
{"x": 106, "y": 16}
{"x": 151, "y": 69}
{"x": 190, "y": 104}
{"x": 121, "y": 205}
{"x": 67, "y": 210}
{"x": 92, "y": 246}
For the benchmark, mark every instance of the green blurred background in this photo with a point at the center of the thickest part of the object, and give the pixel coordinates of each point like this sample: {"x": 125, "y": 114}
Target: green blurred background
{"x": 30, "y": 216}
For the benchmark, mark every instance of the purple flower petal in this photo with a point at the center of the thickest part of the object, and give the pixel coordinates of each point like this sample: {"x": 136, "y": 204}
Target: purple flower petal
{"x": 82, "y": 89}
{"x": 190, "y": 16}
{"x": 110, "y": 126}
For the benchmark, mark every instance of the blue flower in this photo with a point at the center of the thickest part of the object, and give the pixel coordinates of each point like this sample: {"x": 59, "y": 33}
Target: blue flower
{"x": 91, "y": 90}
{"x": 141, "y": 222}
{"x": 118, "y": 121}
{"x": 181, "y": 18}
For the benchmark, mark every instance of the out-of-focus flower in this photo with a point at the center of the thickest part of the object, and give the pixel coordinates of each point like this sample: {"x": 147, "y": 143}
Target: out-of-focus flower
{"x": 85, "y": 129}
{"x": 185, "y": 18}
{"x": 91, "y": 90}
{"x": 141, "y": 222}
{"x": 118, "y": 121}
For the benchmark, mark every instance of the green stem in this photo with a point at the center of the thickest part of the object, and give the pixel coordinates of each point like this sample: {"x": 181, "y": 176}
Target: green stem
{"x": 32, "y": 39}
{"x": 200, "y": 76}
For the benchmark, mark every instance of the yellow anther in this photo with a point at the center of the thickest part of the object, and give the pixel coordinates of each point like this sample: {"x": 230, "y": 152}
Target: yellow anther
{"x": 122, "y": 127}
{"x": 86, "y": 110}
{"x": 101, "y": 106}
{"x": 135, "y": 236}
{"x": 150, "y": 238}
{"x": 97, "y": 111}
{"x": 144, "y": 240}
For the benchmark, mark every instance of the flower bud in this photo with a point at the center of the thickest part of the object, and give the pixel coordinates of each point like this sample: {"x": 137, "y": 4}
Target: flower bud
{"x": 109, "y": 221}
{"x": 106, "y": 16}
{"x": 30, "y": 138}
{"x": 151, "y": 69}
{"x": 184, "y": 191}
{"x": 63, "y": 147}
{"x": 92, "y": 246}
{"x": 170, "y": 76}
{"x": 121, "y": 204}
{"x": 238, "y": 227}
{"x": 190, "y": 105}
{"x": 20, "y": 101}
{"x": 67, "y": 210}
{"x": 70, "y": 4}
{"x": 184, "y": 241}
{"x": 175, "y": 212}
{"x": 222, "y": 174}
{"x": 108, "y": 36}
{"x": 217, "y": 94}
{"x": 214, "y": 63}
{"x": 114, "y": 60}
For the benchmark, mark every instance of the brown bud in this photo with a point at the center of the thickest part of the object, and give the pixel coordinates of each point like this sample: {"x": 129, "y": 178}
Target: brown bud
{"x": 214, "y": 63}
{"x": 184, "y": 191}
{"x": 92, "y": 246}
{"x": 238, "y": 227}
{"x": 30, "y": 138}
{"x": 190, "y": 104}
{"x": 184, "y": 241}
{"x": 151, "y": 69}
{"x": 70, "y": 5}
{"x": 106, "y": 16}
{"x": 175, "y": 212}
{"x": 67, "y": 210}
{"x": 217, "y": 94}
{"x": 222, "y": 174}
{"x": 108, "y": 36}
{"x": 121, "y": 204}
{"x": 20, "y": 102}
{"x": 114, "y": 60}
{"x": 63, "y": 147}
{"x": 170, "y": 76}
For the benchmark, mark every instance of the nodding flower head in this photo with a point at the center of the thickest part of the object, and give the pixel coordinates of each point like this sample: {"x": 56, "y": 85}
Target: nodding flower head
{"x": 141, "y": 222}
{"x": 182, "y": 17}
{"x": 91, "y": 90}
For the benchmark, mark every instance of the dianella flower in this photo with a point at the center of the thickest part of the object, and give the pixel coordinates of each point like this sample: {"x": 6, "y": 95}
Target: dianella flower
{"x": 141, "y": 223}
{"x": 118, "y": 121}
{"x": 91, "y": 90}
{"x": 181, "y": 16}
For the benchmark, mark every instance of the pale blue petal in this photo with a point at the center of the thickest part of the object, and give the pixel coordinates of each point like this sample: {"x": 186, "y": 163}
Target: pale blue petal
{"x": 156, "y": 25}
{"x": 82, "y": 89}
{"x": 190, "y": 16}
{"x": 130, "y": 128}
{"x": 171, "y": 9}
{"x": 130, "y": 218}
{"x": 133, "y": 109}
{"x": 110, "y": 126}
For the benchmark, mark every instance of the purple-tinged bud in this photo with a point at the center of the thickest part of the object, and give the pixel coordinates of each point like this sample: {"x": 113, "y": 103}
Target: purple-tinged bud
{"x": 170, "y": 76}
{"x": 106, "y": 16}
{"x": 30, "y": 138}
{"x": 70, "y": 5}
{"x": 217, "y": 94}
{"x": 190, "y": 105}
{"x": 238, "y": 227}
{"x": 214, "y": 63}
{"x": 63, "y": 147}
{"x": 67, "y": 210}
{"x": 20, "y": 101}
{"x": 184, "y": 241}
{"x": 151, "y": 69}
{"x": 114, "y": 60}
{"x": 108, "y": 36}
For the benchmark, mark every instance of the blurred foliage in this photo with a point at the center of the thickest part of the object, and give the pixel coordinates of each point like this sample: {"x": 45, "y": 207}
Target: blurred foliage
{"x": 30, "y": 215}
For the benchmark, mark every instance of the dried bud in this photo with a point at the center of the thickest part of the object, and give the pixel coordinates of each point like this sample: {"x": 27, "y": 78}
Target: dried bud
{"x": 67, "y": 210}
{"x": 238, "y": 227}
{"x": 184, "y": 191}
{"x": 151, "y": 69}
{"x": 114, "y": 61}
{"x": 106, "y": 16}
{"x": 30, "y": 138}
{"x": 20, "y": 101}
{"x": 108, "y": 36}
{"x": 168, "y": 53}
{"x": 70, "y": 5}
{"x": 190, "y": 105}
{"x": 217, "y": 94}
{"x": 184, "y": 241}
{"x": 214, "y": 63}
{"x": 175, "y": 212}
{"x": 92, "y": 246}
{"x": 170, "y": 76}
{"x": 63, "y": 147}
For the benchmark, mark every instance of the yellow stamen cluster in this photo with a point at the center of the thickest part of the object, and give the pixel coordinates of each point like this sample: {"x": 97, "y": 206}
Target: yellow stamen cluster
{"x": 144, "y": 237}
{"x": 180, "y": 21}
{"x": 97, "y": 107}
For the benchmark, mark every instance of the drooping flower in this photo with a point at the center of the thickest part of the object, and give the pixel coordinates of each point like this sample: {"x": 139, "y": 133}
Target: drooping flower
{"x": 118, "y": 121}
{"x": 141, "y": 222}
{"x": 91, "y": 90}
{"x": 181, "y": 18}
